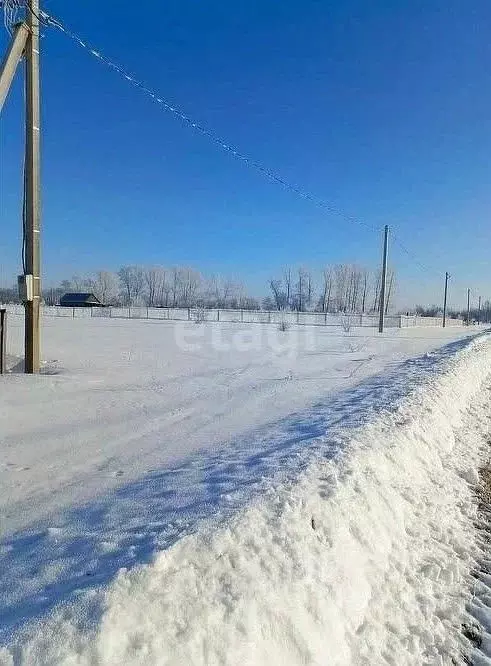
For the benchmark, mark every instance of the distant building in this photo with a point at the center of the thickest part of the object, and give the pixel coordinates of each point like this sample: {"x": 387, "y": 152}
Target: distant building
{"x": 80, "y": 300}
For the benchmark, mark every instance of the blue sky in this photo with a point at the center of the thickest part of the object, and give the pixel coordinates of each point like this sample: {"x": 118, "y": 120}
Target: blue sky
{"x": 382, "y": 108}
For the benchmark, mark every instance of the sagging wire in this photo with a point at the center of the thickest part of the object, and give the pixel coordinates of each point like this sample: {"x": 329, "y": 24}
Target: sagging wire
{"x": 412, "y": 256}
{"x": 48, "y": 20}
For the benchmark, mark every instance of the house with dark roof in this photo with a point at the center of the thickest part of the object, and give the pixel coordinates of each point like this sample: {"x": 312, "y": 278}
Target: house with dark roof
{"x": 80, "y": 300}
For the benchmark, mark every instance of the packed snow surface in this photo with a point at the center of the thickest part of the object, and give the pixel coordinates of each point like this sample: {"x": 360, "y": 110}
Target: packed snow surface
{"x": 124, "y": 398}
{"x": 183, "y": 494}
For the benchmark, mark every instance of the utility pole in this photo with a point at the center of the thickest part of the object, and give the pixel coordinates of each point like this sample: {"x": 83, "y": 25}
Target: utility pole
{"x": 468, "y": 307}
{"x": 383, "y": 281}
{"x": 445, "y": 300}
{"x": 32, "y": 190}
{"x": 479, "y": 312}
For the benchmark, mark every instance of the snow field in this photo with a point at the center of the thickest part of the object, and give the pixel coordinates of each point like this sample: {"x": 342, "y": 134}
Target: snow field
{"x": 363, "y": 557}
{"x": 123, "y": 398}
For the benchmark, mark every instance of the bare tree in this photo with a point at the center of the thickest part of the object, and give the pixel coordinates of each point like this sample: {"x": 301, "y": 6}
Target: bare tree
{"x": 268, "y": 303}
{"x": 365, "y": 290}
{"x": 240, "y": 296}
{"x": 300, "y": 291}
{"x": 327, "y": 276}
{"x": 304, "y": 290}
{"x": 356, "y": 276}
{"x": 349, "y": 287}
{"x": 210, "y": 292}
{"x": 227, "y": 290}
{"x": 132, "y": 281}
{"x": 251, "y": 303}
{"x": 222, "y": 293}
{"x": 287, "y": 276}
{"x": 341, "y": 286}
{"x": 175, "y": 283}
{"x": 153, "y": 277}
{"x": 105, "y": 286}
{"x": 77, "y": 283}
{"x": 51, "y": 296}
{"x": 65, "y": 285}
{"x": 190, "y": 282}
{"x": 278, "y": 294}
{"x": 310, "y": 291}
{"x": 164, "y": 290}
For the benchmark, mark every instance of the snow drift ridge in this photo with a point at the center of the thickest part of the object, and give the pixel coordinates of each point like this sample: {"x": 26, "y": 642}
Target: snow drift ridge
{"x": 361, "y": 560}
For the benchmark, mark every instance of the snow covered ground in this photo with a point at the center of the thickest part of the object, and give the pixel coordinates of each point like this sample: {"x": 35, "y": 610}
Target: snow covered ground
{"x": 299, "y": 497}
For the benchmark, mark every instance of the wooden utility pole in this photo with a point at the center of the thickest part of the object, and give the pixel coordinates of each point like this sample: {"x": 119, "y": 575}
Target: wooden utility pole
{"x": 32, "y": 189}
{"x": 383, "y": 281}
{"x": 468, "y": 307}
{"x": 479, "y": 311}
{"x": 445, "y": 300}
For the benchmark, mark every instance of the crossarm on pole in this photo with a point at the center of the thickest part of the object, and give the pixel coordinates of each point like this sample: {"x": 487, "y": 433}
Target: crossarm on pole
{"x": 12, "y": 59}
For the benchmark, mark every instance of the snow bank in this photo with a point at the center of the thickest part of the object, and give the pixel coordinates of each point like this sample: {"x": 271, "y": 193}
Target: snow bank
{"x": 362, "y": 560}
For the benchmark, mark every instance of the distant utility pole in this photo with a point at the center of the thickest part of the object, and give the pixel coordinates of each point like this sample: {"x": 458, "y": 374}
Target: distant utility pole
{"x": 468, "y": 307}
{"x": 383, "y": 281}
{"x": 479, "y": 311}
{"x": 32, "y": 190}
{"x": 445, "y": 300}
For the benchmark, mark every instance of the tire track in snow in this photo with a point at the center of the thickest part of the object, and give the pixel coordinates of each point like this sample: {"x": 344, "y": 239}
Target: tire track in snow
{"x": 356, "y": 556}
{"x": 83, "y": 548}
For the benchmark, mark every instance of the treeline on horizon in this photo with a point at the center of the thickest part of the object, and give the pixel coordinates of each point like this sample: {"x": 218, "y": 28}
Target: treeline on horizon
{"x": 347, "y": 288}
{"x": 340, "y": 288}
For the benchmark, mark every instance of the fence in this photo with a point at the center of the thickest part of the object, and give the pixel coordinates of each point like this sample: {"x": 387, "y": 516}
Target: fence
{"x": 239, "y": 316}
{"x": 415, "y": 320}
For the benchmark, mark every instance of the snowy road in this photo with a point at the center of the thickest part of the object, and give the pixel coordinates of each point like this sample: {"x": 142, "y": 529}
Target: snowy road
{"x": 133, "y": 396}
{"x": 148, "y": 431}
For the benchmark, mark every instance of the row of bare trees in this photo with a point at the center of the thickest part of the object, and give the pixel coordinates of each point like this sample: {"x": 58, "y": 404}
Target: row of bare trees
{"x": 482, "y": 315}
{"x": 338, "y": 288}
{"x": 157, "y": 286}
{"x": 341, "y": 288}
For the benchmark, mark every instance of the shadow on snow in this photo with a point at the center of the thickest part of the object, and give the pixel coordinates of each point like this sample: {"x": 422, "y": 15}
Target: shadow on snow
{"x": 84, "y": 548}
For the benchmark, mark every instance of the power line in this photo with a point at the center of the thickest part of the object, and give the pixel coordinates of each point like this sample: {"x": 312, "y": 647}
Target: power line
{"x": 413, "y": 257}
{"x": 215, "y": 138}
{"x": 49, "y": 20}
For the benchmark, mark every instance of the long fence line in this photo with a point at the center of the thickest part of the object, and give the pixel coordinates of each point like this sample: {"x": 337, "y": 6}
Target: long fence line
{"x": 238, "y": 316}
